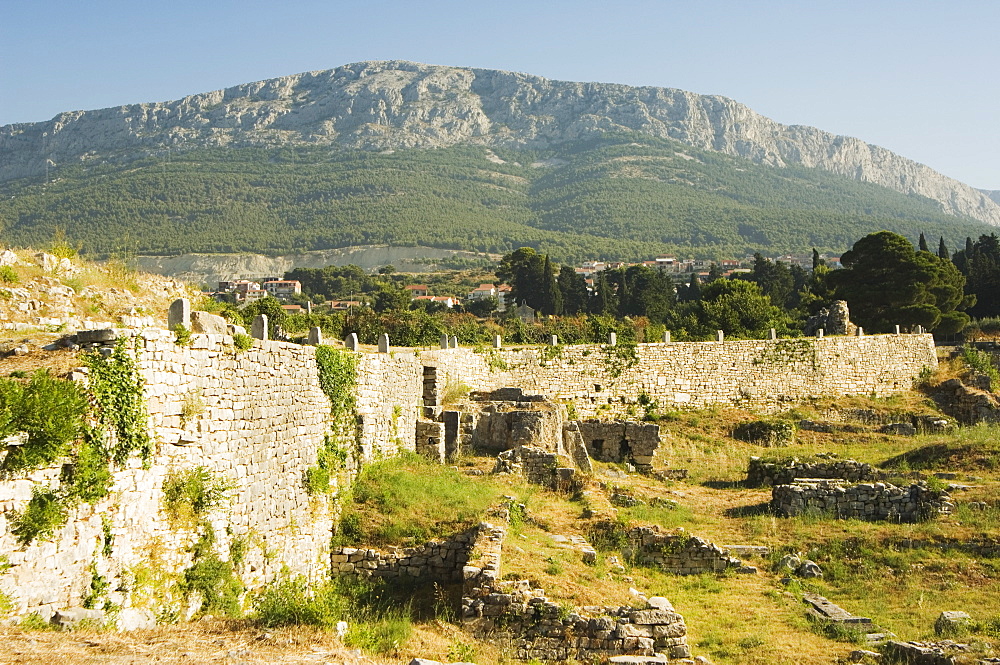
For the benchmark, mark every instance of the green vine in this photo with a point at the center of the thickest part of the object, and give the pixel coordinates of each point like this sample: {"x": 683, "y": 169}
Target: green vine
{"x": 117, "y": 387}
{"x": 338, "y": 378}
{"x": 619, "y": 358}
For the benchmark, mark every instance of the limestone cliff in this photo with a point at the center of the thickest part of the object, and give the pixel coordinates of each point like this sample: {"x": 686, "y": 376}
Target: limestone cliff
{"x": 395, "y": 104}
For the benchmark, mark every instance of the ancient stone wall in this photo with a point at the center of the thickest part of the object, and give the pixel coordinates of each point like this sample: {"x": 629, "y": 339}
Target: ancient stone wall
{"x": 762, "y": 472}
{"x": 866, "y": 501}
{"x": 678, "y": 553}
{"x": 607, "y": 380}
{"x": 253, "y": 420}
{"x": 437, "y": 561}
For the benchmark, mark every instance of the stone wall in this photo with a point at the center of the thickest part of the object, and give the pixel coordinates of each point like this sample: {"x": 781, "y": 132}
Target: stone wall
{"x": 254, "y": 420}
{"x": 618, "y": 441}
{"x": 437, "y": 561}
{"x": 762, "y": 472}
{"x": 866, "y": 501}
{"x": 677, "y": 552}
{"x": 767, "y": 374}
{"x": 538, "y": 628}
{"x": 544, "y": 630}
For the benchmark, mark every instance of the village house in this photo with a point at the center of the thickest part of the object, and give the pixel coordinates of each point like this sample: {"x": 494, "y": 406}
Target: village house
{"x": 416, "y": 290}
{"x": 282, "y": 289}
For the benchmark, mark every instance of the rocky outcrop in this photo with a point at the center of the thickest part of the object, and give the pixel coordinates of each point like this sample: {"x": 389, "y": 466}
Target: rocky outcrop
{"x": 395, "y": 104}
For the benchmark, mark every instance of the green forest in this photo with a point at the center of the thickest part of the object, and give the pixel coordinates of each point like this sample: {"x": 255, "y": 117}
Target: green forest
{"x": 619, "y": 196}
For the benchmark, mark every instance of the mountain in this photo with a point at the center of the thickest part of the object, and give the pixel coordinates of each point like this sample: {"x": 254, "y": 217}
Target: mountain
{"x": 992, "y": 194}
{"x": 342, "y": 157}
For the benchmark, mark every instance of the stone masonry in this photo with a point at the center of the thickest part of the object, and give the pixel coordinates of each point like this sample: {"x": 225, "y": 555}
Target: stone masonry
{"x": 866, "y": 501}
{"x": 762, "y": 472}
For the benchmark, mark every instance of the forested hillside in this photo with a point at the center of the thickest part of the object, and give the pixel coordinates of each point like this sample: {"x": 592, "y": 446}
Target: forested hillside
{"x": 619, "y": 196}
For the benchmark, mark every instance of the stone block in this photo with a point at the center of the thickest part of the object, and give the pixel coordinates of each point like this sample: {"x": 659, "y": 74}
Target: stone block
{"x": 206, "y": 323}
{"x": 179, "y": 314}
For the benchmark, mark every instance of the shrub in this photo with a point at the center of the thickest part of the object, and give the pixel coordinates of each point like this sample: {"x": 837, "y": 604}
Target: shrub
{"x": 981, "y": 362}
{"x": 48, "y": 410}
{"x": 182, "y": 335}
{"x": 43, "y": 515}
{"x": 769, "y": 433}
{"x": 242, "y": 341}
{"x": 213, "y": 578}
{"x": 8, "y": 275}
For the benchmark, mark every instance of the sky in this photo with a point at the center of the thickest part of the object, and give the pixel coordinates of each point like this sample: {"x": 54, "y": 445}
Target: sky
{"x": 918, "y": 77}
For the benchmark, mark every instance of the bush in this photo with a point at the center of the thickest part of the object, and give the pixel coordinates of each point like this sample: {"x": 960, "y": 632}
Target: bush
{"x": 981, "y": 362}
{"x": 48, "y": 410}
{"x": 189, "y": 494}
{"x": 43, "y": 515}
{"x": 8, "y": 275}
{"x": 769, "y": 433}
{"x": 242, "y": 341}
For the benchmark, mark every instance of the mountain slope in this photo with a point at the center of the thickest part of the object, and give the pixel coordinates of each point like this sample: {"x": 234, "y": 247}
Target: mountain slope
{"x": 615, "y": 195}
{"x": 394, "y": 105}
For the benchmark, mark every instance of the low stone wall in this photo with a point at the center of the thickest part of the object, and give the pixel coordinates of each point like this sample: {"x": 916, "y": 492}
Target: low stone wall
{"x": 544, "y": 630}
{"x": 537, "y": 466}
{"x": 436, "y": 561}
{"x": 677, "y": 552}
{"x": 865, "y": 501}
{"x": 762, "y": 472}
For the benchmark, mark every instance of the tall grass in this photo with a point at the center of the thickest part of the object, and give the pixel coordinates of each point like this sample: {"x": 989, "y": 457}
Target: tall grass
{"x": 377, "y": 622}
{"x": 408, "y": 499}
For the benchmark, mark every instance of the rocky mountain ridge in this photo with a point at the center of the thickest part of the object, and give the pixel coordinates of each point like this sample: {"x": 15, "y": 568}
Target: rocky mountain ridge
{"x": 394, "y": 105}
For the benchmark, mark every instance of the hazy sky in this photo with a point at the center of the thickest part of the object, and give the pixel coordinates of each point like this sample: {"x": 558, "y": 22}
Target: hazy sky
{"x": 919, "y": 77}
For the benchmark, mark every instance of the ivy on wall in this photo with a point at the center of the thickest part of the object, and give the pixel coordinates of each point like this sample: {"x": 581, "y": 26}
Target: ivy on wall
{"x": 117, "y": 388}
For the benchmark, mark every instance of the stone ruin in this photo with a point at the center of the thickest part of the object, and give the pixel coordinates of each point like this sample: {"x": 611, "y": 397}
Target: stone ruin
{"x": 833, "y": 320}
{"x": 530, "y": 434}
{"x": 864, "y": 501}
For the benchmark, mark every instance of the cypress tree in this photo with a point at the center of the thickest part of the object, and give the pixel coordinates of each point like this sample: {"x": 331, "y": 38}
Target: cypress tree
{"x": 922, "y": 245}
{"x": 943, "y": 250}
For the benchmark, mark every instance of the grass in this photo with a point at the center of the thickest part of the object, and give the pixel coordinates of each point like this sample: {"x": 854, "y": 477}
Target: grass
{"x": 377, "y": 623}
{"x": 408, "y": 499}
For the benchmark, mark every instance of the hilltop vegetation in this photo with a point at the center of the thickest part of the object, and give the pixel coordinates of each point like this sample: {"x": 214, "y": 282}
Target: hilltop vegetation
{"x": 617, "y": 196}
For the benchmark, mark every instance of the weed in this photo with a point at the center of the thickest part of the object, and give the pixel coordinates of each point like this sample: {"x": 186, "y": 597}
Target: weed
{"x": 409, "y": 499}
{"x": 981, "y": 362}
{"x": 454, "y": 392}
{"x": 108, "y": 538}
{"x": 192, "y": 406}
{"x": 187, "y": 495}
{"x": 88, "y": 478}
{"x": 619, "y": 358}
{"x": 182, "y": 335}
{"x": 213, "y": 578}
{"x": 36, "y": 622}
{"x": 8, "y": 275}
{"x": 242, "y": 341}
{"x": 96, "y": 596}
{"x": 461, "y": 652}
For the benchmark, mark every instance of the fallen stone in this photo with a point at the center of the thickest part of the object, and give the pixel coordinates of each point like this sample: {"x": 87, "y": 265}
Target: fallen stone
{"x": 96, "y": 336}
{"x": 72, "y": 616}
{"x": 809, "y": 569}
{"x": 952, "y": 623}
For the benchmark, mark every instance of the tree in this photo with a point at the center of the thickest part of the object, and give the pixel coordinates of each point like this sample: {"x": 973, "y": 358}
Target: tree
{"x": 739, "y": 308}
{"x": 552, "y": 297}
{"x": 922, "y": 245}
{"x": 574, "y": 291}
{"x": 524, "y": 270}
{"x": 981, "y": 267}
{"x": 775, "y": 280}
{"x": 644, "y": 291}
{"x": 389, "y": 297}
{"x": 943, "y": 250}
{"x": 603, "y": 301}
{"x": 482, "y": 306}
{"x": 269, "y": 306}
{"x": 817, "y": 262}
{"x": 886, "y": 282}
